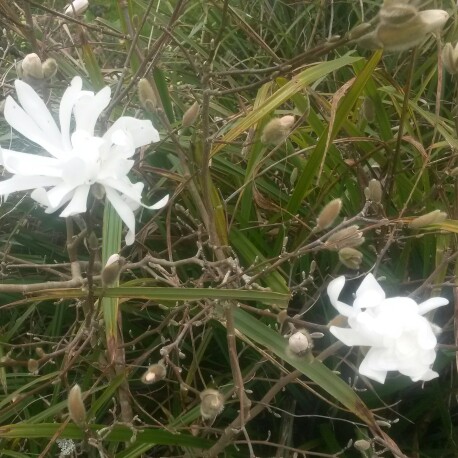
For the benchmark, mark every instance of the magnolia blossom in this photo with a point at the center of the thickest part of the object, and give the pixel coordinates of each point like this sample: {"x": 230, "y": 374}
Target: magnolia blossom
{"x": 77, "y": 158}
{"x": 401, "y": 339}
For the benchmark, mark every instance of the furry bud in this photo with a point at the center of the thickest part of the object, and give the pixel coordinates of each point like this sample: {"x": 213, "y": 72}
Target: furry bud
{"x": 146, "y": 95}
{"x": 31, "y": 67}
{"x": 33, "y": 366}
{"x": 362, "y": 445}
{"x": 211, "y": 404}
{"x": 49, "y": 68}
{"x": 433, "y": 217}
{"x": 112, "y": 269}
{"x": 191, "y": 114}
{"x": 76, "y": 8}
{"x": 76, "y": 407}
{"x": 350, "y": 257}
{"x": 348, "y": 237}
{"x": 300, "y": 342}
{"x": 450, "y": 58}
{"x": 154, "y": 373}
{"x": 277, "y": 130}
{"x": 374, "y": 191}
{"x": 328, "y": 215}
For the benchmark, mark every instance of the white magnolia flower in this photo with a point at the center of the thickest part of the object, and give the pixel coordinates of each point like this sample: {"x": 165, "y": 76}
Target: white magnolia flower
{"x": 77, "y": 7}
{"x": 79, "y": 158}
{"x": 401, "y": 339}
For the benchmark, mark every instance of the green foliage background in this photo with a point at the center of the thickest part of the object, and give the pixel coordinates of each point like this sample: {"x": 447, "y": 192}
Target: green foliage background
{"x": 242, "y": 264}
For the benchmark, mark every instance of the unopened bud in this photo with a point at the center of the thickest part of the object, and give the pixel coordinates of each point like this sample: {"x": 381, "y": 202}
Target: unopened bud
{"x": 154, "y": 373}
{"x": 76, "y": 8}
{"x": 112, "y": 269}
{"x": 454, "y": 172}
{"x": 450, "y": 58}
{"x": 211, "y": 403}
{"x": 348, "y": 237}
{"x": 433, "y": 217}
{"x": 76, "y": 407}
{"x": 300, "y": 342}
{"x": 374, "y": 191}
{"x": 146, "y": 95}
{"x": 31, "y": 66}
{"x": 49, "y": 68}
{"x": 33, "y": 366}
{"x": 40, "y": 352}
{"x": 397, "y": 13}
{"x": 350, "y": 257}
{"x": 191, "y": 114}
{"x": 329, "y": 213}
{"x": 277, "y": 130}
{"x": 368, "y": 110}
{"x": 362, "y": 445}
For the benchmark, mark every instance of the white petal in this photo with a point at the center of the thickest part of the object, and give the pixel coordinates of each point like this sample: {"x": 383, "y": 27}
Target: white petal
{"x": 125, "y": 213}
{"x": 88, "y": 108}
{"x": 112, "y": 259}
{"x": 133, "y": 191}
{"x": 40, "y": 195}
{"x": 19, "y": 120}
{"x": 369, "y": 293}
{"x": 78, "y": 204}
{"x": 60, "y": 194}
{"x": 425, "y": 336}
{"x": 334, "y": 289}
{"x": 159, "y": 204}
{"x": 29, "y": 164}
{"x": 426, "y": 376}
{"x": 71, "y": 95}
{"x": 367, "y": 370}
{"x": 349, "y": 337}
{"x": 431, "y": 304}
{"x": 142, "y": 132}
{"x": 37, "y": 110}
{"x": 20, "y": 183}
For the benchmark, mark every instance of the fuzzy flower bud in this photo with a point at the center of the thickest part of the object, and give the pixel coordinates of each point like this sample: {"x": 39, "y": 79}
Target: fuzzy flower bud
{"x": 146, "y": 95}
{"x": 450, "y": 58}
{"x": 348, "y": 237}
{"x": 277, "y": 130}
{"x": 191, "y": 114}
{"x": 300, "y": 342}
{"x": 76, "y": 407}
{"x": 31, "y": 67}
{"x": 49, "y": 68}
{"x": 433, "y": 217}
{"x": 112, "y": 269}
{"x": 77, "y": 7}
{"x": 211, "y": 403}
{"x": 154, "y": 373}
{"x": 350, "y": 257}
{"x": 33, "y": 366}
{"x": 328, "y": 215}
{"x": 362, "y": 445}
{"x": 374, "y": 191}
{"x": 401, "y": 27}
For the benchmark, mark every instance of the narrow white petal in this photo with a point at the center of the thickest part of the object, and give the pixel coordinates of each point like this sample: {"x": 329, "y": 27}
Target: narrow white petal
{"x": 20, "y": 183}
{"x": 29, "y": 164}
{"x": 426, "y": 376}
{"x": 367, "y": 370}
{"x": 78, "y": 204}
{"x": 71, "y": 95}
{"x": 88, "y": 109}
{"x": 60, "y": 194}
{"x": 37, "y": 110}
{"x": 125, "y": 213}
{"x": 19, "y": 120}
{"x": 159, "y": 204}
{"x": 369, "y": 293}
{"x": 349, "y": 337}
{"x": 133, "y": 191}
{"x": 142, "y": 132}
{"x": 334, "y": 289}
{"x": 431, "y": 304}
